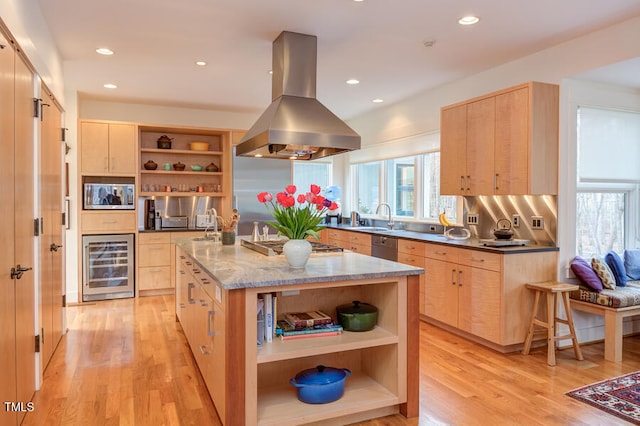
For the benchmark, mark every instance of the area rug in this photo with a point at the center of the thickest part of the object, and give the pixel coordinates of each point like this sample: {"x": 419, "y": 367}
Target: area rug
{"x": 619, "y": 396}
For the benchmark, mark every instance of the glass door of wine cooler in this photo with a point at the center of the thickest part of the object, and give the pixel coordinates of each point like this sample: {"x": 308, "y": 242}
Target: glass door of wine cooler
{"x": 108, "y": 267}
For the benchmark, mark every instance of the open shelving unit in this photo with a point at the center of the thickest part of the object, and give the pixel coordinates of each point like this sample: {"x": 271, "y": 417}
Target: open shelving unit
{"x": 377, "y": 358}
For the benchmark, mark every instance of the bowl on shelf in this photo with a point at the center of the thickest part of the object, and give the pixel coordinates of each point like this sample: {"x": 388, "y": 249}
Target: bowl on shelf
{"x": 212, "y": 168}
{"x": 196, "y": 167}
{"x": 164, "y": 142}
{"x": 178, "y": 166}
{"x": 150, "y": 165}
{"x": 199, "y": 146}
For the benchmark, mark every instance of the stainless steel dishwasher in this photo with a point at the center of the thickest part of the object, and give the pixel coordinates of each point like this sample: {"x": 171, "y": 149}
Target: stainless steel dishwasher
{"x": 384, "y": 247}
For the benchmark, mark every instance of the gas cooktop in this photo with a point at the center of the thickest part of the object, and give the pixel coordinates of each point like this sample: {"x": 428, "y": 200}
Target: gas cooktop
{"x": 503, "y": 243}
{"x": 274, "y": 247}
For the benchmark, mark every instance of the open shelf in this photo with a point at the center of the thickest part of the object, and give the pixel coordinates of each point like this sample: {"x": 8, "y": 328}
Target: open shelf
{"x": 176, "y": 172}
{"x": 279, "y": 350}
{"x": 280, "y": 405}
{"x": 180, "y": 151}
{"x": 182, "y": 194}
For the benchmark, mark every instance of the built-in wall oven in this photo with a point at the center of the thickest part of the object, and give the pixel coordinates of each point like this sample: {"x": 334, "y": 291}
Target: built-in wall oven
{"x": 108, "y": 269}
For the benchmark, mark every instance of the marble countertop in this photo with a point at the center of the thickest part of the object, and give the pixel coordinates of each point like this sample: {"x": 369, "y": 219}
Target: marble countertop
{"x": 471, "y": 243}
{"x": 236, "y": 267}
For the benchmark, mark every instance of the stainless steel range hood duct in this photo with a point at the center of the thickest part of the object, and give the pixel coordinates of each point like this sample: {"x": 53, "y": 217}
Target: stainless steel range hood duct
{"x": 296, "y": 125}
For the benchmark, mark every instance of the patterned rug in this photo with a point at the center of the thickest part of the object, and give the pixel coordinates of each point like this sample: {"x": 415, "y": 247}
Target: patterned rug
{"x": 619, "y": 396}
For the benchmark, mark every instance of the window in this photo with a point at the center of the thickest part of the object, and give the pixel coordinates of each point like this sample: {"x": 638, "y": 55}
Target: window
{"x": 410, "y": 185}
{"x": 608, "y": 180}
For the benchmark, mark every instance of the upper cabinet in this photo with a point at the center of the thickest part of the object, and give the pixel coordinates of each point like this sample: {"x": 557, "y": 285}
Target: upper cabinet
{"x": 108, "y": 149}
{"x": 504, "y": 143}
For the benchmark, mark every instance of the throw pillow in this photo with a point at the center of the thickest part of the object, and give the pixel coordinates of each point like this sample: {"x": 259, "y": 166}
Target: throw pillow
{"x": 604, "y": 273}
{"x": 632, "y": 264}
{"x": 617, "y": 267}
{"x": 586, "y": 274}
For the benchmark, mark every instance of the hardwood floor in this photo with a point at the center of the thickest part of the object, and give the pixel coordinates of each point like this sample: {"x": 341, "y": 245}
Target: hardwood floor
{"x": 126, "y": 362}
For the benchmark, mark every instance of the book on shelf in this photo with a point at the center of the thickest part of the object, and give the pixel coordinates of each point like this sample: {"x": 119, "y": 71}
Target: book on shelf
{"x": 307, "y": 319}
{"x": 283, "y": 328}
{"x": 305, "y": 336}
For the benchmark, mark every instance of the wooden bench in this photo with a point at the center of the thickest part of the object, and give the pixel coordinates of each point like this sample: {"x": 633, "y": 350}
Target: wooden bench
{"x": 613, "y": 318}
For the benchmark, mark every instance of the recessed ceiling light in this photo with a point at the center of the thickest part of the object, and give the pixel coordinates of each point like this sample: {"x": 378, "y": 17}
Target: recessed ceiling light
{"x": 358, "y": 1}
{"x": 353, "y": 81}
{"x": 258, "y": 155}
{"x": 468, "y": 20}
{"x": 201, "y": 63}
{"x": 110, "y": 86}
{"x": 377, "y": 101}
{"x": 104, "y": 51}
{"x": 270, "y": 72}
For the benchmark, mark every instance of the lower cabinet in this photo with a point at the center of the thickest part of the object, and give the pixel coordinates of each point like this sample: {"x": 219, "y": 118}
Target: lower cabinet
{"x": 200, "y": 310}
{"x": 154, "y": 261}
{"x": 412, "y": 253}
{"x": 359, "y": 242}
{"x": 481, "y": 293}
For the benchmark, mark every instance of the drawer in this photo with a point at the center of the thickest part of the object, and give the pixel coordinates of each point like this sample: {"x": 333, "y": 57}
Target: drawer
{"x": 481, "y": 259}
{"x": 359, "y": 238}
{"x": 154, "y": 255}
{"x": 154, "y": 238}
{"x": 411, "y": 247}
{"x": 411, "y": 259}
{"x": 358, "y": 248}
{"x": 154, "y": 277}
{"x": 111, "y": 222}
{"x": 441, "y": 252}
{"x": 336, "y": 235}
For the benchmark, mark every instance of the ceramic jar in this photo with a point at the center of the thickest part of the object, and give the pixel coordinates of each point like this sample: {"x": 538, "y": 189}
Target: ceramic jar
{"x": 297, "y": 253}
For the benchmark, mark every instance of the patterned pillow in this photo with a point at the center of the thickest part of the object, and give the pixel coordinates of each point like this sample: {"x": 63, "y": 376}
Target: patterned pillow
{"x": 586, "y": 274}
{"x": 604, "y": 273}
{"x": 617, "y": 267}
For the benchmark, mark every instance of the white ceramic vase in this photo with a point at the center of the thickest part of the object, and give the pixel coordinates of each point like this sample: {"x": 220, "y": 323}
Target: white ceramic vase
{"x": 297, "y": 253}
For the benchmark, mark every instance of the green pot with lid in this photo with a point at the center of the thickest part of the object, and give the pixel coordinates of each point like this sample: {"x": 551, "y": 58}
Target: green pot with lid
{"x": 357, "y": 316}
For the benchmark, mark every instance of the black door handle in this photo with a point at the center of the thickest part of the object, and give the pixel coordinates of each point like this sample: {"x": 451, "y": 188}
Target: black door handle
{"x": 18, "y": 271}
{"x": 54, "y": 247}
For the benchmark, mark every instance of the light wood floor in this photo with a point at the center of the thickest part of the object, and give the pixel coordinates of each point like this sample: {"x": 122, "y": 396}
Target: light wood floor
{"x": 126, "y": 362}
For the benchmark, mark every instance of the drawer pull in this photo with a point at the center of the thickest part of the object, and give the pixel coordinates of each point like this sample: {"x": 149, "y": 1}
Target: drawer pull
{"x": 109, "y": 221}
{"x": 190, "y": 286}
{"x": 155, "y": 270}
{"x": 453, "y": 276}
{"x": 210, "y": 314}
{"x": 473, "y": 259}
{"x": 459, "y": 278}
{"x": 203, "y": 350}
{"x": 441, "y": 253}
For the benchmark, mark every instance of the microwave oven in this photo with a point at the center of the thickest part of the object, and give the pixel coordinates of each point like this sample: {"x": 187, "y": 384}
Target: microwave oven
{"x": 109, "y": 194}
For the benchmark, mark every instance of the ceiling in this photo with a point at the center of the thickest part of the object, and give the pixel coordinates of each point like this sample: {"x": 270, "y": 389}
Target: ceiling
{"x": 379, "y": 42}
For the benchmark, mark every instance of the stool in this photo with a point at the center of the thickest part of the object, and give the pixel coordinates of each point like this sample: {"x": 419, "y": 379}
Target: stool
{"x": 552, "y": 288}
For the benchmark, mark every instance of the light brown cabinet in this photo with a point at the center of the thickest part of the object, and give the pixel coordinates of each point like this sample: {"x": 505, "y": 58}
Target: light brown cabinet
{"x": 358, "y": 242}
{"x": 412, "y": 253}
{"x": 482, "y": 294}
{"x": 504, "y": 143}
{"x": 108, "y": 149}
{"x": 98, "y": 222}
{"x": 154, "y": 261}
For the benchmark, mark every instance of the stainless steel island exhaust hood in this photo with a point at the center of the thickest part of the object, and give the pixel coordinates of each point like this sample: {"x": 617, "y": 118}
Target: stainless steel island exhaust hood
{"x": 296, "y": 125}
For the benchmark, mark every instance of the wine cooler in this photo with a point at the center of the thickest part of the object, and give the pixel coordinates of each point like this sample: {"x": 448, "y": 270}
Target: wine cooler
{"x": 108, "y": 270}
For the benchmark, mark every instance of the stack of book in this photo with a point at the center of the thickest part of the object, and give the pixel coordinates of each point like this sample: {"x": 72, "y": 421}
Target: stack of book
{"x": 300, "y": 325}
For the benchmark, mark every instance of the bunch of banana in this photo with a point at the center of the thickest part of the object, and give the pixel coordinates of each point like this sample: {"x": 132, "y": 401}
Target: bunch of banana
{"x": 443, "y": 219}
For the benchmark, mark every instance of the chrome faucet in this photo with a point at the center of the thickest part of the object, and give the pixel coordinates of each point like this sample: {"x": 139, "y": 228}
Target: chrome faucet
{"x": 390, "y": 224}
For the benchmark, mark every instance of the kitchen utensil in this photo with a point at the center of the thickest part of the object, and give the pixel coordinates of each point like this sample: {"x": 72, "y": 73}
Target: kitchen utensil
{"x": 321, "y": 384}
{"x": 212, "y": 167}
{"x": 457, "y": 233}
{"x": 178, "y": 166}
{"x": 150, "y": 165}
{"x": 199, "y": 146}
{"x": 164, "y": 142}
{"x": 196, "y": 167}
{"x": 357, "y": 316}
{"x": 503, "y": 230}
{"x": 355, "y": 218}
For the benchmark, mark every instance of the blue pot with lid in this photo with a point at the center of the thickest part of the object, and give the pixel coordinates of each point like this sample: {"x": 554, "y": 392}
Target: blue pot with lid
{"x": 321, "y": 384}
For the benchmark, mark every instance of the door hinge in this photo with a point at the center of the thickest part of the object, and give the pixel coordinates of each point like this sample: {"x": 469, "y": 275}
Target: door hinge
{"x": 64, "y": 134}
{"x": 64, "y": 300}
{"x": 64, "y": 219}
{"x": 36, "y": 227}
{"x": 37, "y": 344}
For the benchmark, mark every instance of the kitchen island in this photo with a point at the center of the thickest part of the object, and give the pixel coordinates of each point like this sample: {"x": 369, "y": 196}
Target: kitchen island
{"x": 217, "y": 292}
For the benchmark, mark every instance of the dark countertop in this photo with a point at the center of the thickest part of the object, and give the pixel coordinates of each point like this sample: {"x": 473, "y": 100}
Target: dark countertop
{"x": 472, "y": 243}
{"x": 152, "y": 231}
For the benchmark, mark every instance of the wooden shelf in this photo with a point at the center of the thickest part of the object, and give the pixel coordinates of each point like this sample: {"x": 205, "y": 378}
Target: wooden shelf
{"x": 279, "y": 350}
{"x": 180, "y": 151}
{"x": 280, "y": 405}
{"x": 182, "y": 173}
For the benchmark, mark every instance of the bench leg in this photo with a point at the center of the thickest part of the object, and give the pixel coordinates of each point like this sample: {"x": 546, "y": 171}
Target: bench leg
{"x": 613, "y": 336}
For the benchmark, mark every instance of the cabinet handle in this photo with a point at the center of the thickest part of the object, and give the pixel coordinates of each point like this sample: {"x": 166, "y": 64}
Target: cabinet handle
{"x": 190, "y": 286}
{"x": 473, "y": 259}
{"x": 182, "y": 272}
{"x": 441, "y": 253}
{"x": 209, "y": 331}
{"x": 203, "y": 350}
{"x": 453, "y": 276}
{"x": 495, "y": 180}
{"x": 155, "y": 270}
{"x": 182, "y": 306}
{"x": 188, "y": 263}
{"x": 196, "y": 271}
{"x": 106, "y": 164}
{"x": 110, "y": 221}
{"x": 461, "y": 183}
{"x": 205, "y": 281}
{"x": 459, "y": 278}
{"x": 468, "y": 179}
{"x": 113, "y": 162}
{"x": 182, "y": 257}
{"x": 204, "y": 303}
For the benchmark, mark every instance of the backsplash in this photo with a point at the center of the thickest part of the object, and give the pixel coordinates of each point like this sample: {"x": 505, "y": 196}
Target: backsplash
{"x": 180, "y": 206}
{"x": 490, "y": 209}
